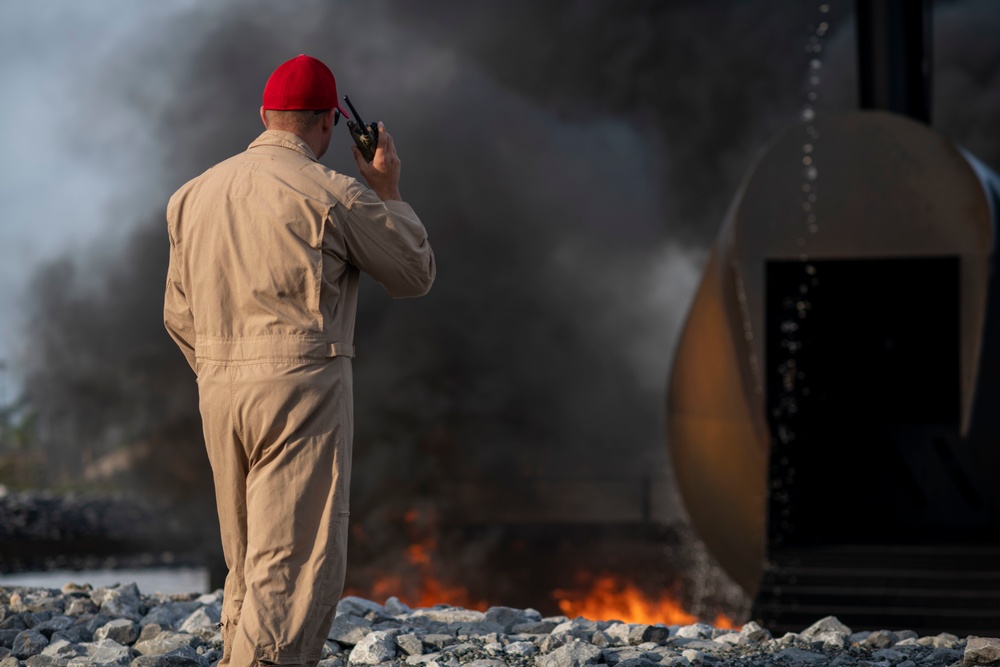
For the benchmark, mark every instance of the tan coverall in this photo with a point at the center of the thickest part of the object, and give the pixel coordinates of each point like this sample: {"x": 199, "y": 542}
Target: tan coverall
{"x": 262, "y": 287}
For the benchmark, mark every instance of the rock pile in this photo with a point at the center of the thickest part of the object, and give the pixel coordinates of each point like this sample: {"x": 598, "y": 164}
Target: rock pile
{"x": 120, "y": 627}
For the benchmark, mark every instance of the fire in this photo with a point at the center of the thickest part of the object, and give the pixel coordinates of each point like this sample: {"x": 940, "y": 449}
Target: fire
{"x": 611, "y": 597}
{"x": 416, "y": 583}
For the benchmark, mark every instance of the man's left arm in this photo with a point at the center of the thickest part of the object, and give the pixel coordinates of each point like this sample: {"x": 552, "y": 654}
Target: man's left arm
{"x": 177, "y": 317}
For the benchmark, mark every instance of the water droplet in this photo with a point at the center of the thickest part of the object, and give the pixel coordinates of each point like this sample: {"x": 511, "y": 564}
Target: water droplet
{"x": 808, "y": 114}
{"x": 806, "y": 187}
{"x": 817, "y": 48}
{"x": 806, "y": 206}
{"x": 812, "y": 132}
{"x": 824, "y": 26}
{"x": 812, "y": 197}
{"x": 811, "y": 270}
{"x": 815, "y": 63}
{"x": 814, "y": 81}
{"x": 824, "y": 8}
{"x": 811, "y": 173}
{"x": 807, "y": 148}
{"x": 803, "y": 257}
{"x": 813, "y": 229}
{"x": 807, "y": 160}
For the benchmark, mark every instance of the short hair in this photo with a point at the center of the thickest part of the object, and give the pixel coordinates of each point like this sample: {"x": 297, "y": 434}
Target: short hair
{"x": 294, "y": 120}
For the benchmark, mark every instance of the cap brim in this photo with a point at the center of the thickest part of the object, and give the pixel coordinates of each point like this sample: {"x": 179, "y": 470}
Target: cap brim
{"x": 342, "y": 111}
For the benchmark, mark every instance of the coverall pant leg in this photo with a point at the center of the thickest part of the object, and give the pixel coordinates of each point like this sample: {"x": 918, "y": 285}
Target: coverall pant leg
{"x": 279, "y": 439}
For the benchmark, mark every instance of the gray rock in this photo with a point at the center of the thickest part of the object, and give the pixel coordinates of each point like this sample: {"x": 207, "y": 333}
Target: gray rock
{"x": 486, "y": 662}
{"x": 90, "y": 627}
{"x": 62, "y": 649}
{"x": 638, "y": 662}
{"x": 438, "y": 641}
{"x": 349, "y": 629}
{"x": 880, "y": 639}
{"x": 329, "y": 650}
{"x": 169, "y": 615}
{"x": 53, "y": 625}
{"x": 696, "y": 631}
{"x": 506, "y": 617}
{"x": 14, "y": 622}
{"x": 120, "y": 601}
{"x": 982, "y": 651}
{"x": 356, "y": 606}
{"x": 184, "y": 656}
{"x": 45, "y": 661}
{"x": 120, "y": 630}
{"x": 891, "y": 655}
{"x": 204, "y": 618}
{"x": 410, "y": 643}
{"x": 105, "y": 653}
{"x": 944, "y": 657}
{"x": 573, "y": 654}
{"x": 755, "y": 633}
{"x": 694, "y": 656}
{"x": 449, "y": 615}
{"x": 7, "y": 637}
{"x": 618, "y": 633}
{"x": 657, "y": 634}
{"x": 552, "y": 642}
{"x": 395, "y": 607}
{"x": 330, "y": 662}
{"x": 534, "y": 628}
{"x": 600, "y": 639}
{"x": 71, "y": 636}
{"x": 165, "y": 642}
{"x": 10, "y": 661}
{"x": 375, "y": 648}
{"x": 28, "y": 643}
{"x": 799, "y": 656}
{"x": 150, "y": 631}
{"x": 520, "y": 648}
{"x": 829, "y": 632}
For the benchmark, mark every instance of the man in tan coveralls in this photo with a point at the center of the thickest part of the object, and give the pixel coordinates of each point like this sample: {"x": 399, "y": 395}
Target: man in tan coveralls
{"x": 265, "y": 253}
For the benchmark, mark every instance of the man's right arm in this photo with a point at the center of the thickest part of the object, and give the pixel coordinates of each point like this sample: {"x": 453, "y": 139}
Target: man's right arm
{"x": 383, "y": 234}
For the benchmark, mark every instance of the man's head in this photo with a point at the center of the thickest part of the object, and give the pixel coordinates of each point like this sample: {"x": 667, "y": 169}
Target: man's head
{"x": 301, "y": 97}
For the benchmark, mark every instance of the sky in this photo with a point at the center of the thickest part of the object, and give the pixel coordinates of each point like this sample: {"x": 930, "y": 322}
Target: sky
{"x": 54, "y": 195}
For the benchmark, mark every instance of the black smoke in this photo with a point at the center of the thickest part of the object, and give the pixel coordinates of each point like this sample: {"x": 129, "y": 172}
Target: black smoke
{"x": 572, "y": 162}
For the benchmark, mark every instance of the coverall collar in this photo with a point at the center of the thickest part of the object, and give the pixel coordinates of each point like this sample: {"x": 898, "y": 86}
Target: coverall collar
{"x": 285, "y": 140}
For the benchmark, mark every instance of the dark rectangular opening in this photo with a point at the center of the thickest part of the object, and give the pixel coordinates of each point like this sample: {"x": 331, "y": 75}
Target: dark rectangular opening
{"x": 862, "y": 377}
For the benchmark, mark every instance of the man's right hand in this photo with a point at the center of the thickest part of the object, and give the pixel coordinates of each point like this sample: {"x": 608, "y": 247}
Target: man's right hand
{"x": 382, "y": 173}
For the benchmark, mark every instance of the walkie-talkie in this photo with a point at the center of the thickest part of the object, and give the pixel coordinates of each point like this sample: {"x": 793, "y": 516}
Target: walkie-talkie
{"x": 365, "y": 136}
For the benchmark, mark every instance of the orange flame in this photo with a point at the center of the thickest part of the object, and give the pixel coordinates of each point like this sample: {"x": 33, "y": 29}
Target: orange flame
{"x": 613, "y": 598}
{"x": 417, "y": 584}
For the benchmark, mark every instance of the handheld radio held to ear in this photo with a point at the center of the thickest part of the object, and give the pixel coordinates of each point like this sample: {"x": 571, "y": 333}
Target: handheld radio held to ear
{"x": 365, "y": 136}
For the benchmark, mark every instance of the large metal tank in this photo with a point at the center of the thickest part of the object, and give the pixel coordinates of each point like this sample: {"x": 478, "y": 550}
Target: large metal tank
{"x": 831, "y": 412}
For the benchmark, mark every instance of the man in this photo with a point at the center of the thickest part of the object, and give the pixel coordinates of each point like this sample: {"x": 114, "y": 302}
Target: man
{"x": 265, "y": 253}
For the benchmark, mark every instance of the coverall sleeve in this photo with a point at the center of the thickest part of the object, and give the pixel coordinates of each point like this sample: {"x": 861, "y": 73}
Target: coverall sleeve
{"x": 176, "y": 313}
{"x": 386, "y": 240}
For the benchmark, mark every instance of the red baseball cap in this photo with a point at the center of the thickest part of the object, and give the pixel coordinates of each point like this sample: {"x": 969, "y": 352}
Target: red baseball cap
{"x": 302, "y": 83}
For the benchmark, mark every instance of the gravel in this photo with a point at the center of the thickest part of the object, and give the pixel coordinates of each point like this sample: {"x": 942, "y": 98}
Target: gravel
{"x": 119, "y": 626}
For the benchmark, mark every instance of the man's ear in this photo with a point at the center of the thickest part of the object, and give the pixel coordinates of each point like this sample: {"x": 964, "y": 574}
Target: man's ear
{"x": 328, "y": 121}
{"x": 263, "y": 117}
